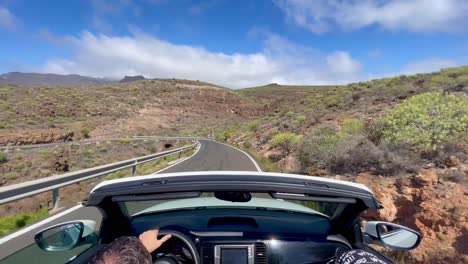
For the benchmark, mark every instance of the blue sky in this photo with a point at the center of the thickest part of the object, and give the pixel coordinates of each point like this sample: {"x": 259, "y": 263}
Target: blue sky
{"x": 234, "y": 43}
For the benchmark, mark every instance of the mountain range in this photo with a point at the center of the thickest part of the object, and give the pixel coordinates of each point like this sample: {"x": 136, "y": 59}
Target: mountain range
{"x": 22, "y": 79}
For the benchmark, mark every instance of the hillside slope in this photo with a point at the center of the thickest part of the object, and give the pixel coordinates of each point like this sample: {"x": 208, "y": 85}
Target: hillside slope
{"x": 163, "y": 107}
{"x": 338, "y": 132}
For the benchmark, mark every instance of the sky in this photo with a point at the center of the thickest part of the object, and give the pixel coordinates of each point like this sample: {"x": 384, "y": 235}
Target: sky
{"x": 238, "y": 43}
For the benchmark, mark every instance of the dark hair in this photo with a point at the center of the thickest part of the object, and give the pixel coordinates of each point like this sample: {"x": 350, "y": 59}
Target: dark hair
{"x": 123, "y": 250}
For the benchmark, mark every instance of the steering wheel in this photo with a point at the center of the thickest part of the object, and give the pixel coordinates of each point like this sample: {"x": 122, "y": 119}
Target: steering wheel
{"x": 169, "y": 252}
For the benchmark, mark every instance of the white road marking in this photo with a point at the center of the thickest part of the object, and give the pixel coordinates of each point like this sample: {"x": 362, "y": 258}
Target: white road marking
{"x": 38, "y": 224}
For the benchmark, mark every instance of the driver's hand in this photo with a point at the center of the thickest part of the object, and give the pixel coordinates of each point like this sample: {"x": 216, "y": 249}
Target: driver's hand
{"x": 150, "y": 239}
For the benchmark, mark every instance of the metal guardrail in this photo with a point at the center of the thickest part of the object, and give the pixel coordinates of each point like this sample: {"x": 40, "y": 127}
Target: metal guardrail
{"x": 53, "y": 183}
{"x": 85, "y": 142}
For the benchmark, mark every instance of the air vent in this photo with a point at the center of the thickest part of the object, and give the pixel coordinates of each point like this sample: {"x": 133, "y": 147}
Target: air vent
{"x": 260, "y": 253}
{"x": 207, "y": 253}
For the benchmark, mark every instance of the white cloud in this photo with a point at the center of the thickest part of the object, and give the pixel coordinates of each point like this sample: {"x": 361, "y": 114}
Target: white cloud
{"x": 8, "y": 21}
{"x": 279, "y": 61}
{"x": 408, "y": 15}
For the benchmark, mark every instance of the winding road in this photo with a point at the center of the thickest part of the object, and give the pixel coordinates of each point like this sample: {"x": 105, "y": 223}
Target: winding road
{"x": 210, "y": 156}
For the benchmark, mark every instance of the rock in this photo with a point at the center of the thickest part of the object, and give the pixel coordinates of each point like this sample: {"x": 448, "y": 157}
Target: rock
{"x": 426, "y": 177}
{"x": 273, "y": 155}
{"x": 452, "y": 161}
{"x": 48, "y": 136}
{"x": 291, "y": 163}
{"x": 429, "y": 165}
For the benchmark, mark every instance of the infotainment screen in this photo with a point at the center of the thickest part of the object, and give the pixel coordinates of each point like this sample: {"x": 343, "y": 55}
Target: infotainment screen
{"x": 234, "y": 256}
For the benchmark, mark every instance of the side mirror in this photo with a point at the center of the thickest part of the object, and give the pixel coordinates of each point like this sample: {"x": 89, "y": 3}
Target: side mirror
{"x": 391, "y": 236}
{"x": 64, "y": 236}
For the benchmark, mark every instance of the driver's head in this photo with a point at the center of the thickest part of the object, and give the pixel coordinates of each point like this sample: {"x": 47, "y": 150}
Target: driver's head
{"x": 124, "y": 250}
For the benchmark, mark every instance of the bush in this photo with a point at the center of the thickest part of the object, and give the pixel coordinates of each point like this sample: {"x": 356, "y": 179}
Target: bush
{"x": 426, "y": 121}
{"x": 290, "y": 113}
{"x": 357, "y": 154}
{"x": 319, "y": 150}
{"x": 339, "y": 152}
{"x": 300, "y": 118}
{"x": 253, "y": 127}
{"x": 43, "y": 153}
{"x": 3, "y": 157}
{"x": 85, "y": 132}
{"x": 287, "y": 141}
{"x": 11, "y": 223}
{"x": 352, "y": 127}
{"x": 442, "y": 81}
{"x": 124, "y": 140}
{"x": 455, "y": 71}
{"x": 225, "y": 135}
{"x": 87, "y": 153}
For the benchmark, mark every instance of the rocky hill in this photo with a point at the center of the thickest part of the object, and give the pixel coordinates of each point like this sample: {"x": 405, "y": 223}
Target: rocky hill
{"x": 343, "y": 132}
{"x": 132, "y": 78}
{"x": 22, "y": 79}
{"x": 162, "y": 107}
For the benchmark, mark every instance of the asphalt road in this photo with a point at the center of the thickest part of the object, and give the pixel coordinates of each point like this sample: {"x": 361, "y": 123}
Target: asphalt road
{"x": 215, "y": 156}
{"x": 211, "y": 156}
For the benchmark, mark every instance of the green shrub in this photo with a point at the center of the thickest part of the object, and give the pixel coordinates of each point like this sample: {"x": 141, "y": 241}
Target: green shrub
{"x": 319, "y": 149}
{"x": 287, "y": 141}
{"x": 87, "y": 153}
{"x": 225, "y": 135}
{"x": 356, "y": 154}
{"x": 85, "y": 132}
{"x": 462, "y": 79}
{"x": 11, "y": 175}
{"x": 442, "y": 81}
{"x": 44, "y": 153}
{"x": 254, "y": 126}
{"x": 102, "y": 149}
{"x": 3, "y": 157}
{"x": 426, "y": 121}
{"x": 300, "y": 118}
{"x": 290, "y": 113}
{"x": 344, "y": 153}
{"x": 455, "y": 71}
{"x": 334, "y": 100}
{"x": 352, "y": 126}
{"x": 9, "y": 224}
{"x": 125, "y": 140}
{"x": 31, "y": 122}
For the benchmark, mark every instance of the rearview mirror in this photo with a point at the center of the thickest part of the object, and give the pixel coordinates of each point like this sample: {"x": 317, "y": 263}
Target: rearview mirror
{"x": 64, "y": 236}
{"x": 391, "y": 235}
{"x": 238, "y": 197}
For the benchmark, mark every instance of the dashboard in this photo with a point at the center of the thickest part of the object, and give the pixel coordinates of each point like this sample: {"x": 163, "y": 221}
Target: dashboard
{"x": 243, "y": 237}
{"x": 237, "y": 249}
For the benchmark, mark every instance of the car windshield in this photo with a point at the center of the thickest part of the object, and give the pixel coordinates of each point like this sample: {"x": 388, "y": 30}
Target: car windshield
{"x": 260, "y": 201}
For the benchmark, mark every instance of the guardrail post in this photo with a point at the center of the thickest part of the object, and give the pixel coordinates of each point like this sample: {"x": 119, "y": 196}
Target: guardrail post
{"x": 180, "y": 153}
{"x": 55, "y": 198}
{"x": 134, "y": 169}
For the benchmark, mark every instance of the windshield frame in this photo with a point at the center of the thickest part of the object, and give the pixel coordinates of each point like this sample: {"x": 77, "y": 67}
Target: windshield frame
{"x": 260, "y": 201}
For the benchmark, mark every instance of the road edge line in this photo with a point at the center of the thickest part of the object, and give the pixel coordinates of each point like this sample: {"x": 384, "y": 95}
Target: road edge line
{"x": 245, "y": 153}
{"x": 177, "y": 163}
{"x": 38, "y": 224}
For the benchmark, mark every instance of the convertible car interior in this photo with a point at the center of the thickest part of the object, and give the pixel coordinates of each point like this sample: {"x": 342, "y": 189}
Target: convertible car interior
{"x": 229, "y": 217}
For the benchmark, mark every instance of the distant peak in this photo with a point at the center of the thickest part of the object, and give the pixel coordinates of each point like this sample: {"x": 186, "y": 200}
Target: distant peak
{"x": 132, "y": 78}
